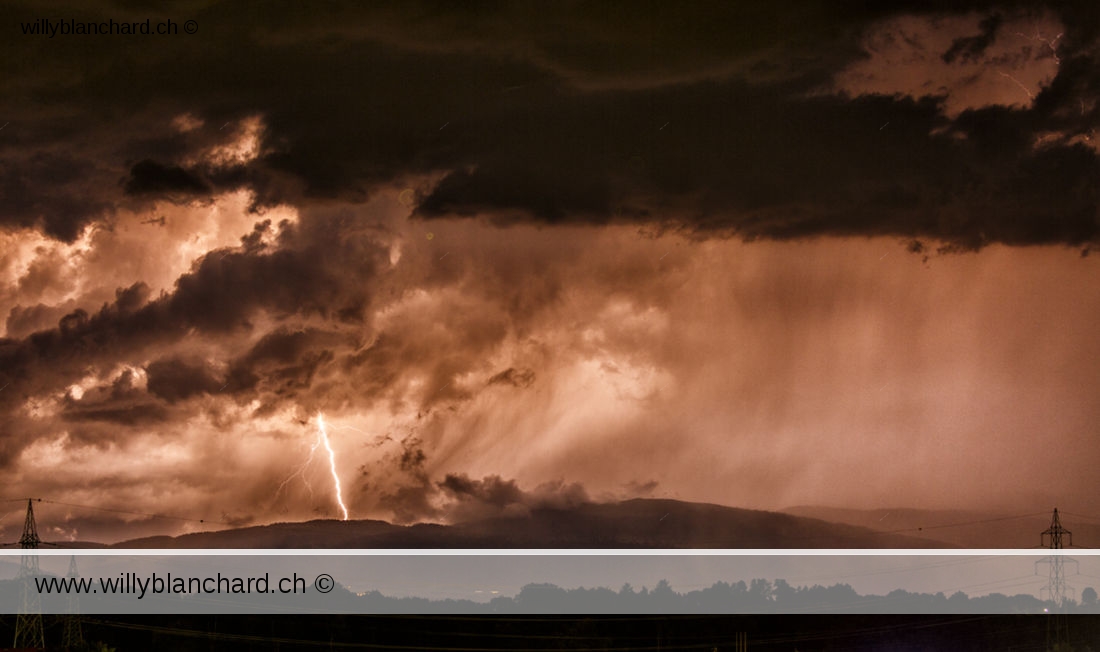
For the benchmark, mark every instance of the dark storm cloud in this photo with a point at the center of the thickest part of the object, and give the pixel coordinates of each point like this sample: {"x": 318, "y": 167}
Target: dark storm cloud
{"x": 220, "y": 296}
{"x": 118, "y": 402}
{"x": 459, "y": 498}
{"x": 492, "y": 490}
{"x": 768, "y": 167}
{"x": 53, "y": 192}
{"x": 467, "y": 499}
{"x": 971, "y": 47}
{"x": 51, "y": 356}
{"x": 731, "y": 154}
{"x": 151, "y": 178}
{"x": 121, "y": 412}
{"x": 283, "y": 364}
{"x": 23, "y": 321}
{"x": 224, "y": 288}
{"x": 515, "y": 377}
{"x": 700, "y": 116}
{"x": 174, "y": 379}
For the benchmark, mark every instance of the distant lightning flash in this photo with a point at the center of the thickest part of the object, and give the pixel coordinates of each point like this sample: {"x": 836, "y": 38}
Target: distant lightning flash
{"x": 323, "y": 439}
{"x": 1022, "y": 87}
{"x": 1051, "y": 43}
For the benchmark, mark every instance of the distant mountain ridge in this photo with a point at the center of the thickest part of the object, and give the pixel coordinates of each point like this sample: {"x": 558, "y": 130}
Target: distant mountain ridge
{"x": 637, "y": 523}
{"x": 958, "y": 528}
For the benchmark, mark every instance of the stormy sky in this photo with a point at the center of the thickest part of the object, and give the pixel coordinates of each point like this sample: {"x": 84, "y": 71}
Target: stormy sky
{"x": 524, "y": 254}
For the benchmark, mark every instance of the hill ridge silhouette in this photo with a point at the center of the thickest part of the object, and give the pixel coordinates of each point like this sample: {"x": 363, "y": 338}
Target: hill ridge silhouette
{"x": 633, "y": 523}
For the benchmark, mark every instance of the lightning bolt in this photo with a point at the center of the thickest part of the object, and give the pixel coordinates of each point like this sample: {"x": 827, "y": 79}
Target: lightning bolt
{"x": 300, "y": 471}
{"x": 322, "y": 438}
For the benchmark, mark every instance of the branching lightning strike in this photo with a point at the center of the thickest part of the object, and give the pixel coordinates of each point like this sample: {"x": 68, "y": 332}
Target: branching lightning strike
{"x": 299, "y": 472}
{"x": 1051, "y": 43}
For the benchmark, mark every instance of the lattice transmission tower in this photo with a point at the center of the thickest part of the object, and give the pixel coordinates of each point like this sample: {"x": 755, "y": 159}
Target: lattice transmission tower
{"x": 72, "y": 637}
{"x": 29, "y": 632}
{"x": 1057, "y": 537}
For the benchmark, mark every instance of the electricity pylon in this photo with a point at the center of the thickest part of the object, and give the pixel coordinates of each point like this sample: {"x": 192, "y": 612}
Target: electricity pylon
{"x": 1057, "y": 537}
{"x": 29, "y": 632}
{"x": 73, "y": 635}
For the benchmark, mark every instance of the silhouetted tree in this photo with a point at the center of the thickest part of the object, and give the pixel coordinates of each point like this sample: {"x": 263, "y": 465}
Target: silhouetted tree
{"x": 1088, "y": 597}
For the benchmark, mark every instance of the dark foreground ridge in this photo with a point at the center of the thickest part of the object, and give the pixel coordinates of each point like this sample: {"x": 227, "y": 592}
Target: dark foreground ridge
{"x": 807, "y": 633}
{"x": 638, "y": 523}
